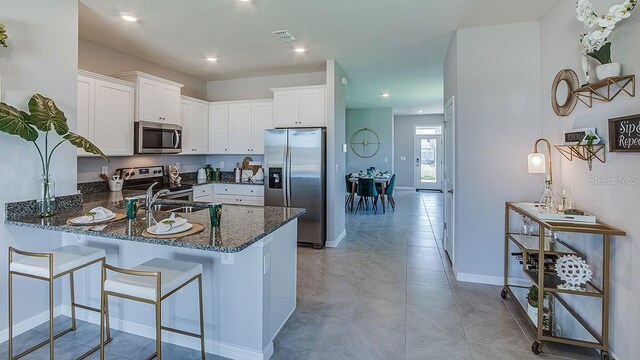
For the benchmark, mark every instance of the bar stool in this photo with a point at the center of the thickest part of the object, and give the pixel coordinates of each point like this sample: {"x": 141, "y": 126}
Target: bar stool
{"x": 151, "y": 282}
{"x": 48, "y": 267}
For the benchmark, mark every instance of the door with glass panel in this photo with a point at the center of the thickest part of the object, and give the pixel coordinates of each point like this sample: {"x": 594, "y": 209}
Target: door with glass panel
{"x": 428, "y": 158}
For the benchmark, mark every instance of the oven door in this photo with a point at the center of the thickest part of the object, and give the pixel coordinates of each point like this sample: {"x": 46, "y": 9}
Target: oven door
{"x": 156, "y": 138}
{"x": 184, "y": 195}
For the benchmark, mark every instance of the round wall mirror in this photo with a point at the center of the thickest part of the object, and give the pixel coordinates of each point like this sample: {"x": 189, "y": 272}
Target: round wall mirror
{"x": 563, "y": 100}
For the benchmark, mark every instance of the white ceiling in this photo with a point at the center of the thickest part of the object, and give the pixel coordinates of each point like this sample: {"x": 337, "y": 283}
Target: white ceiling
{"x": 395, "y": 46}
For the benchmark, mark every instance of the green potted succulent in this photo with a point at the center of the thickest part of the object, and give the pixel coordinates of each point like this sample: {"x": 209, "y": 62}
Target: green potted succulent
{"x": 44, "y": 116}
{"x": 532, "y": 306}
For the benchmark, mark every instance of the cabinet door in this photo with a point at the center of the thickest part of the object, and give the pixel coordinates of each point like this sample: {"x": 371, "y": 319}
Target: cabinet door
{"x": 240, "y": 128}
{"x": 188, "y": 127}
{"x": 285, "y": 109}
{"x": 313, "y": 107}
{"x": 262, "y": 118}
{"x": 170, "y": 104}
{"x": 114, "y": 118}
{"x": 149, "y": 100}
{"x": 86, "y": 91}
{"x": 219, "y": 129}
{"x": 201, "y": 128}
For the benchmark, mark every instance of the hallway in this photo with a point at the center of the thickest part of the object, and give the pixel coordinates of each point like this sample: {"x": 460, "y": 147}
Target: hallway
{"x": 388, "y": 292}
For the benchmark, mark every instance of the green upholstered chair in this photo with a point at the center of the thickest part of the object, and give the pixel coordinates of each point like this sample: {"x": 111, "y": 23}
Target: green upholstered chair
{"x": 388, "y": 191}
{"x": 367, "y": 190}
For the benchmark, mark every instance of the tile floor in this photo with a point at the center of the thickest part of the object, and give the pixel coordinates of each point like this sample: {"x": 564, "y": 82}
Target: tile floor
{"x": 387, "y": 292}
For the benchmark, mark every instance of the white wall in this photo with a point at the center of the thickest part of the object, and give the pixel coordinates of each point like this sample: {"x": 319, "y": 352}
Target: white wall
{"x": 615, "y": 204}
{"x": 259, "y": 87}
{"x": 404, "y": 146}
{"x": 336, "y": 118}
{"x": 498, "y": 119}
{"x": 379, "y": 120}
{"x": 42, "y": 57}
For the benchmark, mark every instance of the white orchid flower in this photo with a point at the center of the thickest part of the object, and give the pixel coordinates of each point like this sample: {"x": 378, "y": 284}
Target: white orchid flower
{"x": 619, "y": 12}
{"x": 609, "y": 21}
{"x": 600, "y": 34}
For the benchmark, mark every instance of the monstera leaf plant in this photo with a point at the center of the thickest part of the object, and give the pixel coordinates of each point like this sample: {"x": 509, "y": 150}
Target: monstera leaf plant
{"x": 44, "y": 116}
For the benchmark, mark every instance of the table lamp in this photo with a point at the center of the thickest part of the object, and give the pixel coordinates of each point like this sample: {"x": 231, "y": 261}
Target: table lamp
{"x": 538, "y": 165}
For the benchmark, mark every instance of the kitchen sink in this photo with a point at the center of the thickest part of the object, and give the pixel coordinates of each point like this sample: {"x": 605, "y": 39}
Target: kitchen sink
{"x": 188, "y": 209}
{"x": 164, "y": 207}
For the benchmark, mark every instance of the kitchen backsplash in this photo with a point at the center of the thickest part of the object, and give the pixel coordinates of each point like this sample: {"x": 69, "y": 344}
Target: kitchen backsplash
{"x": 89, "y": 168}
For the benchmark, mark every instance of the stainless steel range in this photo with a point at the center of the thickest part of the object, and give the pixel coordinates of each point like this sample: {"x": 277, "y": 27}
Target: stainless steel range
{"x": 140, "y": 178}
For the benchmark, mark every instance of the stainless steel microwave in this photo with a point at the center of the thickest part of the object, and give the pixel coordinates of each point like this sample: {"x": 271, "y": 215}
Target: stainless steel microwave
{"x": 157, "y": 138}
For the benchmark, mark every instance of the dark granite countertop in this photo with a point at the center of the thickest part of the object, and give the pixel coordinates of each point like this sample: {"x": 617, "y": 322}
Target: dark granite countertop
{"x": 196, "y": 183}
{"x": 240, "y": 225}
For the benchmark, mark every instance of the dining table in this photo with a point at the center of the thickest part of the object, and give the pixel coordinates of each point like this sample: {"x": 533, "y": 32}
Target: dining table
{"x": 382, "y": 179}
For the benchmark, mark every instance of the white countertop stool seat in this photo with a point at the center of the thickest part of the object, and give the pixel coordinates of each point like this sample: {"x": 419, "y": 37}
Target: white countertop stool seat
{"x": 48, "y": 266}
{"x": 151, "y": 282}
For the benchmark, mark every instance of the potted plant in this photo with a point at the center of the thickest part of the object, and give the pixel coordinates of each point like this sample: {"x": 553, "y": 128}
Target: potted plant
{"x": 44, "y": 116}
{"x": 606, "y": 68}
{"x": 3, "y": 36}
{"x": 532, "y": 306}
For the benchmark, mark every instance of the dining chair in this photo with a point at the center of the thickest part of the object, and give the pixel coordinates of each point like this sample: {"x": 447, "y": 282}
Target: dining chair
{"x": 388, "y": 191}
{"x": 350, "y": 191}
{"x": 366, "y": 190}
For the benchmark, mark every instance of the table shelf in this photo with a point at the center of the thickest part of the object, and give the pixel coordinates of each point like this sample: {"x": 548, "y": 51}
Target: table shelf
{"x": 531, "y": 244}
{"x": 607, "y": 89}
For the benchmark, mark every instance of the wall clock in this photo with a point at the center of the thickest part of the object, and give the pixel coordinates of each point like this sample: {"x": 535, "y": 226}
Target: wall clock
{"x": 365, "y": 143}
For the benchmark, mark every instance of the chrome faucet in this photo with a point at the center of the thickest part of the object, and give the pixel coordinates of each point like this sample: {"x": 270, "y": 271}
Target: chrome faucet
{"x": 151, "y": 199}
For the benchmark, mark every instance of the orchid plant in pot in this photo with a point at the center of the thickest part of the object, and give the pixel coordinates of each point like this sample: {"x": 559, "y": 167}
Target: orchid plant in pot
{"x": 595, "y": 44}
{"x": 44, "y": 116}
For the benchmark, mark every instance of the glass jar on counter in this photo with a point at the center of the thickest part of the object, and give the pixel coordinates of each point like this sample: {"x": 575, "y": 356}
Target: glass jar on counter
{"x": 209, "y": 171}
{"x": 216, "y": 174}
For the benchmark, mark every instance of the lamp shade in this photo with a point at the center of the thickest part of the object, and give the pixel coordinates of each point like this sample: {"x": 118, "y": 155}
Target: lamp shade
{"x": 537, "y": 163}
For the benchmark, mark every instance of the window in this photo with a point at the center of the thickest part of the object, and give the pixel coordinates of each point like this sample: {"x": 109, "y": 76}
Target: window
{"x": 428, "y": 130}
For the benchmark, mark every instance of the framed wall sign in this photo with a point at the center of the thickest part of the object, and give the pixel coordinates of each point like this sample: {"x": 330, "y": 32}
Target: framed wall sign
{"x": 624, "y": 134}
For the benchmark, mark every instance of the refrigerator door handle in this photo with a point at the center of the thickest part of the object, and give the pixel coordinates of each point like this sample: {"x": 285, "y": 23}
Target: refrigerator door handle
{"x": 285, "y": 177}
{"x": 288, "y": 183}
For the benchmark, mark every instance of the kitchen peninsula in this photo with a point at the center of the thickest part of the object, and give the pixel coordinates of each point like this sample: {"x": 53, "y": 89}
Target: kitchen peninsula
{"x": 249, "y": 263}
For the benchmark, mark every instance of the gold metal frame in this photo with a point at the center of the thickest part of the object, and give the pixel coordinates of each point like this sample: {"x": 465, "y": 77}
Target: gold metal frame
{"x": 549, "y": 165}
{"x": 104, "y": 304}
{"x": 50, "y": 280}
{"x": 614, "y": 86}
{"x": 606, "y": 231}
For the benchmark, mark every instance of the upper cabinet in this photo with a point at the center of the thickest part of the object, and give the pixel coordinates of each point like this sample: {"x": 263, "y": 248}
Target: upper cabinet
{"x": 105, "y": 113}
{"x": 157, "y": 99}
{"x": 304, "y": 106}
{"x": 238, "y": 127}
{"x": 194, "y": 115}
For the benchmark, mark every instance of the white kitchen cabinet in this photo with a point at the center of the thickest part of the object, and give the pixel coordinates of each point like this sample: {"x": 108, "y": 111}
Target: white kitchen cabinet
{"x": 219, "y": 129}
{"x": 105, "y": 115}
{"x": 194, "y": 115}
{"x": 238, "y": 127}
{"x": 157, "y": 99}
{"x": 304, "y": 106}
{"x": 239, "y": 194}
{"x": 203, "y": 193}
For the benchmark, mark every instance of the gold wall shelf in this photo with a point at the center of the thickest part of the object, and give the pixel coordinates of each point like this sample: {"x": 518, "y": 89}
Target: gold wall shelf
{"x": 583, "y": 152}
{"x": 607, "y": 89}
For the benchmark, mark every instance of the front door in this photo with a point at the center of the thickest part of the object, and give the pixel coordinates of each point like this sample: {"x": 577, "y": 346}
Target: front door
{"x": 428, "y": 155}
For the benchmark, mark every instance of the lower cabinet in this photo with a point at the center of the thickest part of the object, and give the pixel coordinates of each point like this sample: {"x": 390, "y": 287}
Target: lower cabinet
{"x": 230, "y": 194}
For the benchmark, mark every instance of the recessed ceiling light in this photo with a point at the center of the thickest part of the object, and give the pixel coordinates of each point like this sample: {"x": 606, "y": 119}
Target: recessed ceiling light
{"x": 212, "y": 59}
{"x": 300, "y": 49}
{"x": 420, "y": 111}
{"x": 129, "y": 18}
{"x": 245, "y": 0}
{"x": 385, "y": 94}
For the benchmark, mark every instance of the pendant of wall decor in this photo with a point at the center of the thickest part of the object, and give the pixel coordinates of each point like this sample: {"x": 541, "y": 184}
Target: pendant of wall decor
{"x": 563, "y": 100}
{"x": 365, "y": 143}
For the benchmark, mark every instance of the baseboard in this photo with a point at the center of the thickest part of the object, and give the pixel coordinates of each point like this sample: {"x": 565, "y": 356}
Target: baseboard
{"x": 334, "y": 243}
{"x": 29, "y": 323}
{"x": 490, "y": 280}
{"x": 212, "y": 347}
{"x": 405, "y": 188}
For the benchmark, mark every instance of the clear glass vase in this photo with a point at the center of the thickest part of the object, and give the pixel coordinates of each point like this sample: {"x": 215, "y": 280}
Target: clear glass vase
{"x": 46, "y": 203}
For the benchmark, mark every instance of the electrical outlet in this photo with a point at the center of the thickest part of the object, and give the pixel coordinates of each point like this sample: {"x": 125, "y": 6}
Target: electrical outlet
{"x": 337, "y": 168}
{"x": 105, "y": 170}
{"x": 221, "y": 164}
{"x": 178, "y": 165}
{"x": 267, "y": 263}
{"x": 386, "y": 160}
{"x": 227, "y": 259}
{"x": 403, "y": 158}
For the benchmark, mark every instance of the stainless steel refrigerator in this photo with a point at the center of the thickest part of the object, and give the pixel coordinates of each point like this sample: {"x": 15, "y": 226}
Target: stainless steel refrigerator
{"x": 295, "y": 165}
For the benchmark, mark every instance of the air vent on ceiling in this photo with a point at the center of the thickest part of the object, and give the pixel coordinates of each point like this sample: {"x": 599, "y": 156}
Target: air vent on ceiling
{"x": 284, "y": 35}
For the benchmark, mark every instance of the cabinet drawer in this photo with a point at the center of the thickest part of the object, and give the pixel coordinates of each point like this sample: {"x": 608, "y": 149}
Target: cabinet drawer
{"x": 242, "y": 190}
{"x": 240, "y": 200}
{"x": 204, "y": 199}
{"x": 200, "y": 191}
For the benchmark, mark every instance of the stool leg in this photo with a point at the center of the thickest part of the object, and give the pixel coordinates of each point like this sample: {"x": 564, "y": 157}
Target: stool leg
{"x": 10, "y": 311}
{"x": 103, "y": 301}
{"x": 51, "y": 337}
{"x": 201, "y": 317}
{"x": 73, "y": 301}
{"x": 159, "y": 316}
